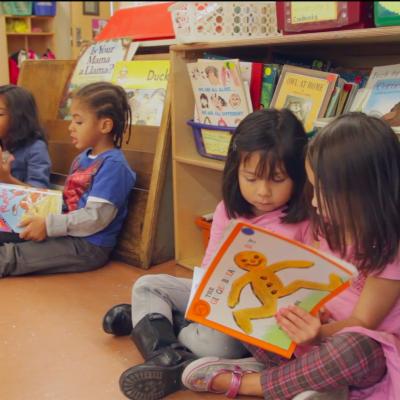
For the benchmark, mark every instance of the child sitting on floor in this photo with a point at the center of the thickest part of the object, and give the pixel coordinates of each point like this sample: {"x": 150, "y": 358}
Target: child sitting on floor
{"x": 95, "y": 194}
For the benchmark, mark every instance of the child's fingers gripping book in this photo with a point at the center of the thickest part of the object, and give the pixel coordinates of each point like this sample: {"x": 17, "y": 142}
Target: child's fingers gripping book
{"x": 253, "y": 274}
{"x": 18, "y": 202}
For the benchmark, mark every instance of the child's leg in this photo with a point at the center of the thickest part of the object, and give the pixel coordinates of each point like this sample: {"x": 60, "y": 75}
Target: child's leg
{"x": 160, "y": 294}
{"x": 10, "y": 237}
{"x": 347, "y": 359}
{"x": 203, "y": 341}
{"x": 154, "y": 298}
{"x": 54, "y": 255}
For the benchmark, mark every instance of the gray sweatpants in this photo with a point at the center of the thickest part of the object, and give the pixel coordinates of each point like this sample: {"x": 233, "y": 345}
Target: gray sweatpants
{"x": 164, "y": 294}
{"x": 54, "y": 255}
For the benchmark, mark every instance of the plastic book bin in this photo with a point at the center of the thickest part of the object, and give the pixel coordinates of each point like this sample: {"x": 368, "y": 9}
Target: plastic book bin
{"x": 212, "y": 141}
{"x": 300, "y": 17}
{"x": 225, "y": 20}
{"x": 146, "y": 22}
{"x": 20, "y": 8}
{"x": 205, "y": 227}
{"x": 44, "y": 8}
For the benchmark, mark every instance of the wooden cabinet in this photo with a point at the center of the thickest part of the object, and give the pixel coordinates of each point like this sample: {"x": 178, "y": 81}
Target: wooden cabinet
{"x": 19, "y": 32}
{"x": 197, "y": 180}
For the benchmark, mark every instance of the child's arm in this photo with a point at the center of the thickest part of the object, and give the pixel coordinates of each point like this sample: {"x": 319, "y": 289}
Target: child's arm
{"x": 218, "y": 226}
{"x": 369, "y": 312}
{"x": 92, "y": 218}
{"x": 378, "y": 297}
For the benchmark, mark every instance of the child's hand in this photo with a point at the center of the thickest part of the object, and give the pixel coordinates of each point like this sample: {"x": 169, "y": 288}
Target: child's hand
{"x": 299, "y": 325}
{"x": 5, "y": 166}
{"x": 35, "y": 229}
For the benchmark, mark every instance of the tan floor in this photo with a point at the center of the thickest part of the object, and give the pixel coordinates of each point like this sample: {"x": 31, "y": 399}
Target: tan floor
{"x": 52, "y": 346}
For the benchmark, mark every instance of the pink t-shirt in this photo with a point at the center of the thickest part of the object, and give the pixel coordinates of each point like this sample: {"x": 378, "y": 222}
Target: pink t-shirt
{"x": 387, "y": 334}
{"x": 271, "y": 221}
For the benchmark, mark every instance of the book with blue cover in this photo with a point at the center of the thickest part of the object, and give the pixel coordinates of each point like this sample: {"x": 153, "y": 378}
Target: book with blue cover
{"x": 18, "y": 202}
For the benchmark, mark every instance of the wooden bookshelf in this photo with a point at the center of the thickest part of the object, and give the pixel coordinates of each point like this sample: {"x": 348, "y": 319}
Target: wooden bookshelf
{"x": 197, "y": 180}
{"x": 39, "y": 36}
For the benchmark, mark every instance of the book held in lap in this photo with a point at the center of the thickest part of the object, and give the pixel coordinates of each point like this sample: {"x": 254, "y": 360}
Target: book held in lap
{"x": 256, "y": 272}
{"x": 18, "y": 202}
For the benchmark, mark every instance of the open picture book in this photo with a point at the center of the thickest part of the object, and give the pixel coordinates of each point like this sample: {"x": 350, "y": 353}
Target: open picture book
{"x": 18, "y": 202}
{"x": 256, "y": 272}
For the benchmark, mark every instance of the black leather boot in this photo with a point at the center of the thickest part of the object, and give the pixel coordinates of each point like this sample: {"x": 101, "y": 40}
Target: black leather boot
{"x": 118, "y": 320}
{"x": 165, "y": 359}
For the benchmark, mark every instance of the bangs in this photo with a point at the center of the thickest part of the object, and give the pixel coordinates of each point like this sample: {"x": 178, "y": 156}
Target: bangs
{"x": 269, "y": 163}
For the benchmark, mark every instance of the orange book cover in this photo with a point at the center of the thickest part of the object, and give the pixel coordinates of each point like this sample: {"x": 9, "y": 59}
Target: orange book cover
{"x": 253, "y": 274}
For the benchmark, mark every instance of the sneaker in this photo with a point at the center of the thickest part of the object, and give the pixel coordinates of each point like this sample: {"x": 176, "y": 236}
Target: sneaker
{"x": 118, "y": 320}
{"x": 199, "y": 375}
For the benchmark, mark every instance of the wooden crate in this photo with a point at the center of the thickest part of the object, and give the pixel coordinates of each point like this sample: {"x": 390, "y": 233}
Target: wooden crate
{"x": 147, "y": 235}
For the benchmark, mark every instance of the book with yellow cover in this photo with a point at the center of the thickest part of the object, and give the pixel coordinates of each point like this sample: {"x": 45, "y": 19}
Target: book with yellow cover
{"x": 18, "y": 202}
{"x": 253, "y": 274}
{"x": 306, "y": 92}
{"x": 145, "y": 83}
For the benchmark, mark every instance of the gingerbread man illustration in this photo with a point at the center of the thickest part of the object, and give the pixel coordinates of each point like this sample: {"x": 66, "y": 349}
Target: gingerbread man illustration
{"x": 267, "y": 286}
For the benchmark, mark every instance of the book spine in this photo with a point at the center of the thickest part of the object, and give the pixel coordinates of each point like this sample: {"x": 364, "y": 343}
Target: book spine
{"x": 269, "y": 80}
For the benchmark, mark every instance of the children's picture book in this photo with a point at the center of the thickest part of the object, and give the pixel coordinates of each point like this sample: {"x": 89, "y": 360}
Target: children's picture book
{"x": 384, "y": 101}
{"x": 219, "y": 92}
{"x": 253, "y": 274}
{"x": 269, "y": 81}
{"x": 96, "y": 63}
{"x": 306, "y": 92}
{"x": 145, "y": 83}
{"x": 18, "y": 202}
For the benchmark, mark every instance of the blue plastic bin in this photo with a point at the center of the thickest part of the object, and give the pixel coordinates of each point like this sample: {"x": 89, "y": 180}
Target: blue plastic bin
{"x": 211, "y": 141}
{"x": 44, "y": 8}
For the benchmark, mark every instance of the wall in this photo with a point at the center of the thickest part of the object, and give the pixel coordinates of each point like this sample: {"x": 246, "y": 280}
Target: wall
{"x": 62, "y": 27}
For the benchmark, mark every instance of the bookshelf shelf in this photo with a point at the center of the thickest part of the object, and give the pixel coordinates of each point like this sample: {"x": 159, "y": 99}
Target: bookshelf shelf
{"x": 197, "y": 180}
{"x": 385, "y": 34}
{"x": 39, "y": 37}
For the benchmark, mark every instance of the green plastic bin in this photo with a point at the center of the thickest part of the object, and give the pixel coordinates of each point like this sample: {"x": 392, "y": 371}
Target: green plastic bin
{"x": 20, "y": 8}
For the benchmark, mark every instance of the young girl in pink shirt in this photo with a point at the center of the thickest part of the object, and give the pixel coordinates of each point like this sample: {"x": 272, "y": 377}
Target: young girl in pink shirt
{"x": 354, "y": 167}
{"x": 263, "y": 183}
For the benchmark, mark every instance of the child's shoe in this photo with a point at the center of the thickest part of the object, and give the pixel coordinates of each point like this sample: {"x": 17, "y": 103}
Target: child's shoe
{"x": 198, "y": 376}
{"x": 118, "y": 320}
{"x": 339, "y": 394}
{"x": 158, "y": 377}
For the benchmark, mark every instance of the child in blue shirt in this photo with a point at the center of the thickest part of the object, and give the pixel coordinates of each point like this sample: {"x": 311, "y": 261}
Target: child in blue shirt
{"x": 23, "y": 151}
{"x": 24, "y": 158}
{"x": 95, "y": 195}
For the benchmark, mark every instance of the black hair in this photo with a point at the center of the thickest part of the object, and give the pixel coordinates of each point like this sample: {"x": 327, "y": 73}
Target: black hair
{"x": 24, "y": 127}
{"x": 108, "y": 101}
{"x": 280, "y": 138}
{"x": 356, "y": 165}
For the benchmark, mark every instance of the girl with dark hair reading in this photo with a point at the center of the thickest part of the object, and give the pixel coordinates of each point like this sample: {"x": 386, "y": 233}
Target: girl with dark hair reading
{"x": 262, "y": 184}
{"x": 353, "y": 165}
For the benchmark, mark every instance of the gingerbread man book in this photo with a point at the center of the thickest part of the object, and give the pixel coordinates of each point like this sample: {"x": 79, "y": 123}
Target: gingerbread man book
{"x": 253, "y": 274}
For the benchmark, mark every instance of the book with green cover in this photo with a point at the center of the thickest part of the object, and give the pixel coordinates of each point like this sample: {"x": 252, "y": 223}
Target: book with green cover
{"x": 269, "y": 81}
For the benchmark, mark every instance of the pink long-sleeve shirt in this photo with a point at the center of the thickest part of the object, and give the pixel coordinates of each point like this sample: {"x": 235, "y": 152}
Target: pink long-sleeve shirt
{"x": 271, "y": 221}
{"x": 387, "y": 333}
